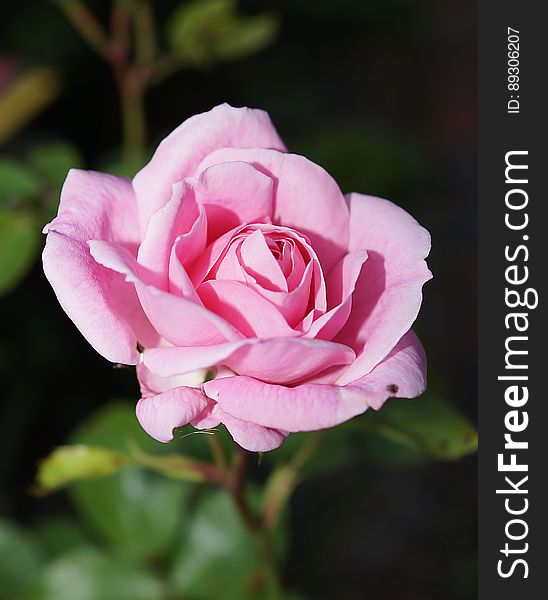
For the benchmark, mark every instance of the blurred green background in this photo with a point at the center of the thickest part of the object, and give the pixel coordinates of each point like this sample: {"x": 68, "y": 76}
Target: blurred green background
{"x": 382, "y": 94}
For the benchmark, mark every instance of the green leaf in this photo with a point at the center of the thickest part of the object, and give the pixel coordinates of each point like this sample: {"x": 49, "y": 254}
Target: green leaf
{"x": 244, "y": 37}
{"x": 427, "y": 424}
{"x": 17, "y": 182}
{"x": 134, "y": 509}
{"x": 88, "y": 575}
{"x": 342, "y": 450}
{"x": 19, "y": 244}
{"x": 27, "y": 96}
{"x": 67, "y": 464}
{"x": 218, "y": 557}
{"x": 204, "y": 32}
{"x": 404, "y": 433}
{"x": 19, "y": 565}
{"x": 176, "y": 466}
{"x": 59, "y": 534}
{"x": 53, "y": 161}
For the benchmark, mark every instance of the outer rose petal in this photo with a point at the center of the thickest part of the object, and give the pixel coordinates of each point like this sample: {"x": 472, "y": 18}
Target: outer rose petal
{"x": 169, "y": 362}
{"x": 401, "y": 374}
{"x": 388, "y": 293}
{"x": 180, "y": 152}
{"x": 160, "y": 414}
{"x": 250, "y": 436}
{"x": 102, "y": 305}
{"x": 305, "y": 407}
{"x": 276, "y": 360}
{"x": 97, "y": 206}
{"x": 307, "y": 198}
{"x": 287, "y": 360}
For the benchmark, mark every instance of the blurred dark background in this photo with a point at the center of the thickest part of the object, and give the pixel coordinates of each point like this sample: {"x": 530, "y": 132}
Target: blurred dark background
{"x": 383, "y": 94}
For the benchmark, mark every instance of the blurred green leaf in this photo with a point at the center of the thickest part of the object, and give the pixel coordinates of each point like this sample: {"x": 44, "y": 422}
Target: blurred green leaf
{"x": 17, "y": 182}
{"x": 59, "y": 534}
{"x": 175, "y": 466}
{"x": 67, "y": 464}
{"x": 427, "y": 424}
{"x": 203, "y": 32}
{"x": 88, "y": 575}
{"x": 135, "y": 509}
{"x": 19, "y": 564}
{"x": 53, "y": 161}
{"x": 342, "y": 450}
{"x": 26, "y": 97}
{"x": 19, "y": 244}
{"x": 244, "y": 37}
{"x": 218, "y": 557}
{"x": 115, "y": 426}
{"x": 403, "y": 433}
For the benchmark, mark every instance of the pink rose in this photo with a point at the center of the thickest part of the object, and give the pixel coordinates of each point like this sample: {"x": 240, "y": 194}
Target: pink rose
{"x": 228, "y": 258}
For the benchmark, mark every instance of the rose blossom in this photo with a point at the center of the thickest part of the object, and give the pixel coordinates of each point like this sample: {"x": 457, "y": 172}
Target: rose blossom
{"x": 228, "y": 257}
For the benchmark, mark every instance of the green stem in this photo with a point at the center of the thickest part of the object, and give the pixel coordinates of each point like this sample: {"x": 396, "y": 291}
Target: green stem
{"x": 236, "y": 488}
{"x": 133, "y": 118}
{"x": 284, "y": 480}
{"x": 84, "y": 21}
{"x": 217, "y": 452}
{"x": 254, "y": 524}
{"x": 145, "y": 35}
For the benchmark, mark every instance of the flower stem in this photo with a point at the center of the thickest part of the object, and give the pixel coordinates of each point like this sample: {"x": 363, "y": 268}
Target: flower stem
{"x": 131, "y": 77}
{"x": 133, "y": 118}
{"x": 145, "y": 35}
{"x": 217, "y": 452}
{"x": 284, "y": 480}
{"x": 236, "y": 488}
{"x": 85, "y": 22}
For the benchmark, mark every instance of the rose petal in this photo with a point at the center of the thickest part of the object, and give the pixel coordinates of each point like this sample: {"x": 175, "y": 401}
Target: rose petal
{"x": 180, "y": 152}
{"x": 234, "y": 193}
{"x": 293, "y": 264}
{"x": 402, "y": 374}
{"x": 179, "y": 280}
{"x": 217, "y": 250}
{"x": 257, "y": 259}
{"x": 159, "y": 415}
{"x": 244, "y": 309}
{"x": 290, "y": 304}
{"x": 287, "y": 360}
{"x": 180, "y": 321}
{"x": 306, "y": 198}
{"x": 175, "y": 218}
{"x": 276, "y": 360}
{"x": 340, "y": 284}
{"x": 229, "y": 267}
{"x": 101, "y": 304}
{"x": 306, "y": 407}
{"x": 172, "y": 361}
{"x": 151, "y": 383}
{"x": 388, "y": 293}
{"x": 251, "y": 436}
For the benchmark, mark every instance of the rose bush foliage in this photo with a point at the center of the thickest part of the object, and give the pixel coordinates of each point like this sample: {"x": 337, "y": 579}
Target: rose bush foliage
{"x": 244, "y": 285}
